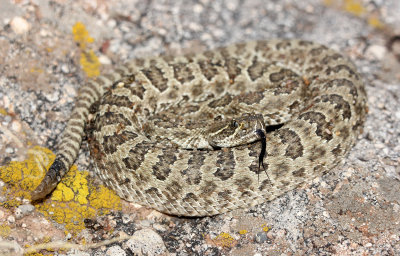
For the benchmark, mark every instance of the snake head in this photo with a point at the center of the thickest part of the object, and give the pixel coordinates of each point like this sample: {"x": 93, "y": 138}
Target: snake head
{"x": 236, "y": 131}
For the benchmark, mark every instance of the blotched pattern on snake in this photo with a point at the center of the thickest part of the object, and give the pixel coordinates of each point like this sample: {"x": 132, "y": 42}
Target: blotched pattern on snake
{"x": 183, "y": 134}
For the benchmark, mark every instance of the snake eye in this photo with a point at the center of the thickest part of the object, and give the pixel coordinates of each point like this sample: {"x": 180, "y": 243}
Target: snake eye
{"x": 234, "y": 124}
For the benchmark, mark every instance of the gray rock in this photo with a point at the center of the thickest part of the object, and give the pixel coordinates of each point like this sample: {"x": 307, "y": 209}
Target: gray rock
{"x": 146, "y": 242}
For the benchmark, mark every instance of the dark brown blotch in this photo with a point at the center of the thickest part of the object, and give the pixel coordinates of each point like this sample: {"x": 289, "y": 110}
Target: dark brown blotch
{"x": 232, "y": 68}
{"x": 137, "y": 89}
{"x": 294, "y": 148}
{"x": 317, "y": 152}
{"x": 221, "y": 102}
{"x": 182, "y": 72}
{"x": 322, "y": 125}
{"x": 341, "y": 67}
{"x": 117, "y": 100}
{"x": 337, "y": 151}
{"x": 208, "y": 69}
{"x": 208, "y": 188}
{"x": 343, "y": 83}
{"x": 162, "y": 168}
{"x": 262, "y": 46}
{"x": 224, "y": 196}
{"x": 153, "y": 192}
{"x": 299, "y": 173}
{"x": 257, "y": 69}
{"x": 111, "y": 143}
{"x": 243, "y": 183}
{"x": 250, "y": 98}
{"x": 111, "y": 118}
{"x": 341, "y": 105}
{"x": 329, "y": 58}
{"x": 225, "y": 164}
{"x": 192, "y": 175}
{"x": 190, "y": 198}
{"x": 156, "y": 77}
{"x": 317, "y": 51}
{"x": 283, "y": 45}
{"x": 281, "y": 75}
{"x": 135, "y": 157}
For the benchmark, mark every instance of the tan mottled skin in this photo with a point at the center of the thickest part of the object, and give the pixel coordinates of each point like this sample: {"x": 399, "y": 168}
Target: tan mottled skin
{"x": 178, "y": 133}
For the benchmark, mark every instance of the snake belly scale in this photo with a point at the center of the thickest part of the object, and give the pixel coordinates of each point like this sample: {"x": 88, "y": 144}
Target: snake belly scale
{"x": 178, "y": 133}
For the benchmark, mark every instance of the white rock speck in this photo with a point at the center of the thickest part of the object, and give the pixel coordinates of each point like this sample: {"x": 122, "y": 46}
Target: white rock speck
{"x": 146, "y": 241}
{"x": 19, "y": 25}
{"x": 115, "y": 251}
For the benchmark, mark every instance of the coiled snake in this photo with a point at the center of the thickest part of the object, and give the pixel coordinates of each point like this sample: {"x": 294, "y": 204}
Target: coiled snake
{"x": 187, "y": 135}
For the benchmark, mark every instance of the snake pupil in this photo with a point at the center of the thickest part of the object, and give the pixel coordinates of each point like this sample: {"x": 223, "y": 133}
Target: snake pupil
{"x": 234, "y": 124}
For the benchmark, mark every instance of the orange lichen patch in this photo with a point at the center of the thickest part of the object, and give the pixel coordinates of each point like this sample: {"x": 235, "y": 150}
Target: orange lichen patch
{"x": 74, "y": 199}
{"x": 89, "y": 61}
{"x": 225, "y": 240}
{"x": 23, "y": 177}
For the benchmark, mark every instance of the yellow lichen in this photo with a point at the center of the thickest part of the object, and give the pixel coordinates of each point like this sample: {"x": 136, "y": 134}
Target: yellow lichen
{"x": 74, "y": 186}
{"x": 3, "y": 112}
{"x": 104, "y": 198}
{"x": 354, "y": 7}
{"x": 375, "y": 22}
{"x": 243, "y": 231}
{"x": 75, "y": 198}
{"x": 225, "y": 240}
{"x": 36, "y": 70}
{"x": 5, "y": 230}
{"x": 89, "y": 61}
{"x": 265, "y": 228}
{"x": 23, "y": 177}
{"x": 81, "y": 35}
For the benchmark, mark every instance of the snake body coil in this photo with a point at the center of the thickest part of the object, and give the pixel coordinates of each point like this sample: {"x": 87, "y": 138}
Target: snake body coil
{"x": 182, "y": 134}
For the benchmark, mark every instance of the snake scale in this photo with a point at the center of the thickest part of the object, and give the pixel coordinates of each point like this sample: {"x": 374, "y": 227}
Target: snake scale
{"x": 202, "y": 134}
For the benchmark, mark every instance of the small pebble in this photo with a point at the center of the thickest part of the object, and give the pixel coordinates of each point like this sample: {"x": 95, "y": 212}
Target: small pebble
{"x": 159, "y": 227}
{"x": 18, "y": 213}
{"x": 115, "y": 251}
{"x": 19, "y": 25}
{"x": 9, "y": 150}
{"x": 16, "y": 126}
{"x": 376, "y": 51}
{"x": 11, "y": 219}
{"x": 261, "y": 237}
{"x": 65, "y": 68}
{"x": 147, "y": 242}
{"x": 104, "y": 60}
{"x": 25, "y": 209}
{"x": 145, "y": 223}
